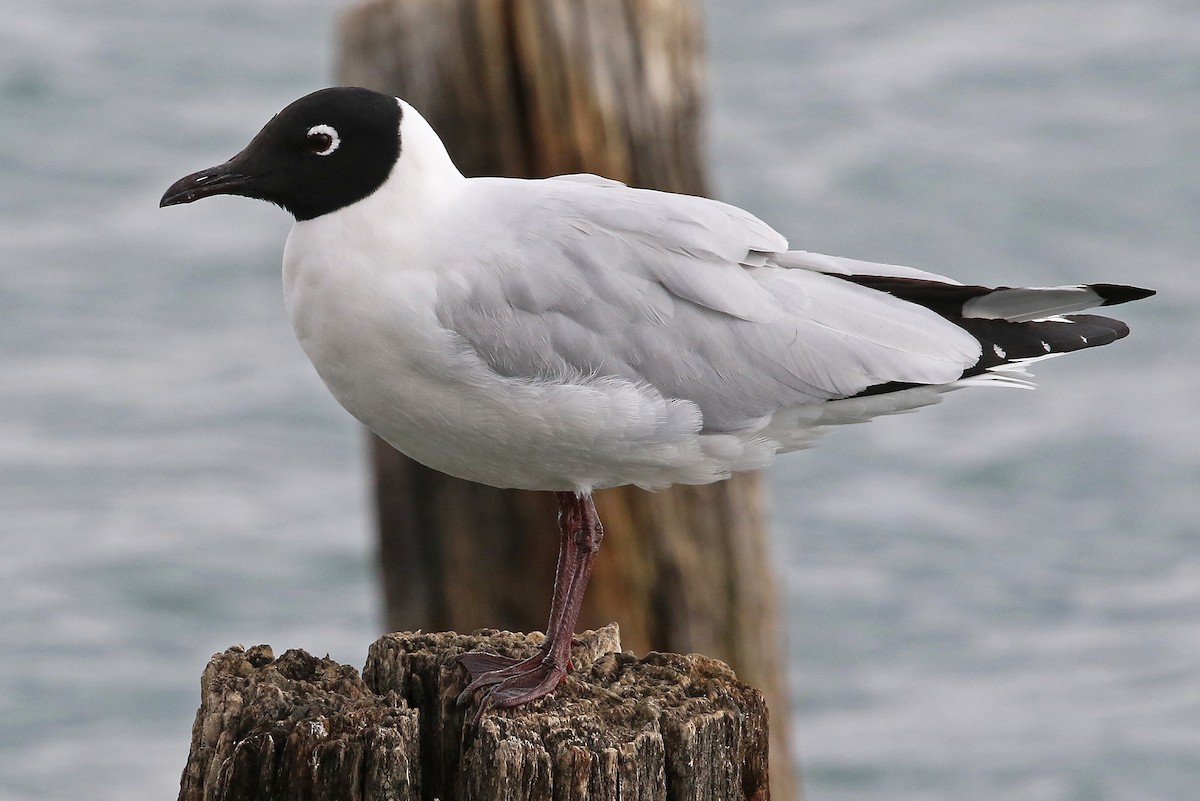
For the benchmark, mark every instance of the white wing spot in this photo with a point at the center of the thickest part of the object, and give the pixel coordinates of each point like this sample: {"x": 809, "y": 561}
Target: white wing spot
{"x": 999, "y": 351}
{"x": 1046, "y": 345}
{"x": 327, "y": 136}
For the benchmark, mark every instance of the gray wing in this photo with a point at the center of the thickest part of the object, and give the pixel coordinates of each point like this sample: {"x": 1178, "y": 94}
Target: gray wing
{"x": 577, "y": 279}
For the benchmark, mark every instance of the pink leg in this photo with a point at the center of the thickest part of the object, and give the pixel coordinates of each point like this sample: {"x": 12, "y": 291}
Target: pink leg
{"x": 511, "y": 682}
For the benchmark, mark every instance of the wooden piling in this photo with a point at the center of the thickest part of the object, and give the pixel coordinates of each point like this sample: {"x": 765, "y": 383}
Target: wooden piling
{"x": 665, "y": 726}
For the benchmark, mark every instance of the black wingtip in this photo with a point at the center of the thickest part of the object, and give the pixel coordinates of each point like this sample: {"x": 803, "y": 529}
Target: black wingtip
{"x": 1119, "y": 293}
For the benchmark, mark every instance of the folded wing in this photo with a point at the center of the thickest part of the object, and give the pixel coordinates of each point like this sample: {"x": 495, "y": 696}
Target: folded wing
{"x": 684, "y": 295}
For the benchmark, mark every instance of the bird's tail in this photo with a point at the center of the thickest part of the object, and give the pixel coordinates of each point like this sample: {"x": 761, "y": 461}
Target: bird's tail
{"x": 1016, "y": 326}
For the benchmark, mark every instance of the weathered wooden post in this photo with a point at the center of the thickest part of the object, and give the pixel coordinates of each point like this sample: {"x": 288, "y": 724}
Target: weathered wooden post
{"x": 662, "y": 727}
{"x": 530, "y": 88}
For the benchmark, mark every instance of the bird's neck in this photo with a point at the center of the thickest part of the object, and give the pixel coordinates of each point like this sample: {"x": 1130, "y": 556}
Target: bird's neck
{"x": 424, "y": 174}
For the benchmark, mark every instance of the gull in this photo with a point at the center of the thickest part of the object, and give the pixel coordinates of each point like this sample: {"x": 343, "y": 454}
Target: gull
{"x": 572, "y": 333}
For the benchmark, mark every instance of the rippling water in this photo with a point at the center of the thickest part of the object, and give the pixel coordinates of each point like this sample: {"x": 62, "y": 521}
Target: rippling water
{"x": 997, "y": 598}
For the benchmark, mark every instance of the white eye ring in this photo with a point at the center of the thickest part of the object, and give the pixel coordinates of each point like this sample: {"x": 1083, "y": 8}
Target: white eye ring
{"x": 325, "y": 130}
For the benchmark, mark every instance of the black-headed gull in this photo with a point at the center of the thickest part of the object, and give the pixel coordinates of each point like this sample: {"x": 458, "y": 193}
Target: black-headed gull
{"x": 572, "y": 333}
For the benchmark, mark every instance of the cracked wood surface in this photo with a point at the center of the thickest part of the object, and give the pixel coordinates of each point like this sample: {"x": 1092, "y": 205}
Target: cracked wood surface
{"x": 666, "y": 726}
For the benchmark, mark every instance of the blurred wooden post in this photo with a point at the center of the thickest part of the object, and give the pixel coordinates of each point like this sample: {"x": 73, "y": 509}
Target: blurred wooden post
{"x": 530, "y": 88}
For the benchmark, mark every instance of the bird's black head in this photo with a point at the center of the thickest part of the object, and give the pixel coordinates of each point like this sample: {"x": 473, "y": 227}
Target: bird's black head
{"x": 320, "y": 154}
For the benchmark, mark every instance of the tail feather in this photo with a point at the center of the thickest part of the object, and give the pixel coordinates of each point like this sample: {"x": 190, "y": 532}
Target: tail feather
{"x": 1005, "y": 341}
{"x": 1035, "y": 303}
{"x": 1014, "y": 326}
{"x": 1016, "y": 304}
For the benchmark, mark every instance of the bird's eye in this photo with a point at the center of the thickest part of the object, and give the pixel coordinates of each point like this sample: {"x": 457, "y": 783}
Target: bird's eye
{"x": 323, "y": 140}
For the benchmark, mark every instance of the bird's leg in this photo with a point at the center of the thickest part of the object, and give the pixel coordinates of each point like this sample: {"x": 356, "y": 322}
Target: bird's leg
{"x": 510, "y": 682}
{"x": 485, "y": 668}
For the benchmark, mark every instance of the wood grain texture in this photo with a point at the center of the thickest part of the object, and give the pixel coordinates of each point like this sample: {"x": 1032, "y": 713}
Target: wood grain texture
{"x": 297, "y": 727}
{"x": 666, "y": 726}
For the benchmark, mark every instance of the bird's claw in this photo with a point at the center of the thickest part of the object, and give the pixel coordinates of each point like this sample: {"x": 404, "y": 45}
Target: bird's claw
{"x": 508, "y": 682}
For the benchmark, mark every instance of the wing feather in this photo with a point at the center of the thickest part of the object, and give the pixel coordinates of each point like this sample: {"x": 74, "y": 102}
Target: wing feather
{"x": 578, "y": 280}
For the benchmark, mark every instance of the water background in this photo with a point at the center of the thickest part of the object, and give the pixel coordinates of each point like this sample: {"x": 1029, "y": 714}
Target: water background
{"x": 997, "y": 598}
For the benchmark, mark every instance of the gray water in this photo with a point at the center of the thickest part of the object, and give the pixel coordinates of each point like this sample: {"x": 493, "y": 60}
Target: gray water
{"x": 996, "y": 598}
